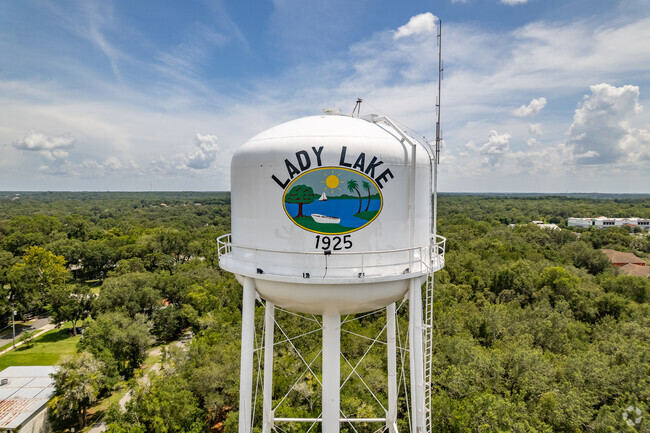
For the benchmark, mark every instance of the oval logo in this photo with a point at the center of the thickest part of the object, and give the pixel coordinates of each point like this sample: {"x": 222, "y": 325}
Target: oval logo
{"x": 332, "y": 200}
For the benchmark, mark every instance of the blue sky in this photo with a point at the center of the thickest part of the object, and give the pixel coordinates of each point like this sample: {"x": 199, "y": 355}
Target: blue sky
{"x": 538, "y": 96}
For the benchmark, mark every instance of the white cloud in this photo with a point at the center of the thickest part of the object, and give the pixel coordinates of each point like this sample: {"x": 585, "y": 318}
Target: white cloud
{"x": 417, "y": 25}
{"x": 198, "y": 160}
{"x": 497, "y": 144}
{"x": 531, "y": 109}
{"x": 207, "y": 153}
{"x": 183, "y": 61}
{"x": 514, "y": 2}
{"x": 37, "y": 141}
{"x": 90, "y": 168}
{"x": 600, "y": 132}
{"x": 50, "y": 148}
{"x": 493, "y": 149}
{"x": 390, "y": 69}
{"x": 635, "y": 146}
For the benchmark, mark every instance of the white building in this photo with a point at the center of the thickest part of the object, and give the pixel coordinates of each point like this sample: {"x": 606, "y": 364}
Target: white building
{"x": 24, "y": 393}
{"x": 603, "y": 222}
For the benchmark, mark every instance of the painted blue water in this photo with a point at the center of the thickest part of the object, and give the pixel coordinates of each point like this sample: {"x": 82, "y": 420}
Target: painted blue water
{"x": 344, "y": 209}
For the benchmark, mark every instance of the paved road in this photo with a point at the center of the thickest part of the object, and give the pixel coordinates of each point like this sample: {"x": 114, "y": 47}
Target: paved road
{"x": 7, "y": 335}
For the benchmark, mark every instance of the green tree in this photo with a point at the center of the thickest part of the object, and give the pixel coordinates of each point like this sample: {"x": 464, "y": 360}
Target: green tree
{"x": 77, "y": 383}
{"x": 118, "y": 340}
{"x": 366, "y": 185}
{"x": 300, "y": 194}
{"x": 69, "y": 303}
{"x": 38, "y": 272}
{"x": 353, "y": 186}
{"x": 164, "y": 405}
{"x": 130, "y": 293}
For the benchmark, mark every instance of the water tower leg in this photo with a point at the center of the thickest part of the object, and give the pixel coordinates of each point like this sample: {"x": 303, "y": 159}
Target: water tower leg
{"x": 391, "y": 354}
{"x": 416, "y": 357}
{"x": 269, "y": 327}
{"x": 246, "y": 374}
{"x": 331, "y": 373}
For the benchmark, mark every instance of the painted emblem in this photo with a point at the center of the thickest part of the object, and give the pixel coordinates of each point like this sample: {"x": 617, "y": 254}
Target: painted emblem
{"x": 332, "y": 200}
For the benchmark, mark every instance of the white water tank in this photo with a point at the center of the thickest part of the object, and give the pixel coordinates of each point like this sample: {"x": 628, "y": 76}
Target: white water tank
{"x": 331, "y": 214}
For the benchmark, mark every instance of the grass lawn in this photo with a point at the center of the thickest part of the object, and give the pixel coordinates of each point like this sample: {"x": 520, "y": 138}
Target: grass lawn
{"x": 45, "y": 350}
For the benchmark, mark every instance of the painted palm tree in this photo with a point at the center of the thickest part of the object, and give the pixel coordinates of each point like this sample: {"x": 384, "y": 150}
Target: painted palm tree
{"x": 353, "y": 186}
{"x": 365, "y": 185}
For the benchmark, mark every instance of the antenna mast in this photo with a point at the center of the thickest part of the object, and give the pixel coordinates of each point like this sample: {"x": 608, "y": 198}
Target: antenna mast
{"x": 438, "y": 136}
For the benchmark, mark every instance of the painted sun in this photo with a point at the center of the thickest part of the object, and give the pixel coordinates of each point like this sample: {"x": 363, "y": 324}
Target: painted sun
{"x": 332, "y": 181}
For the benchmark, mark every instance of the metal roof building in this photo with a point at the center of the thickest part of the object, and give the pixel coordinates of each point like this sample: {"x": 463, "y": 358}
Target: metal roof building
{"x": 24, "y": 393}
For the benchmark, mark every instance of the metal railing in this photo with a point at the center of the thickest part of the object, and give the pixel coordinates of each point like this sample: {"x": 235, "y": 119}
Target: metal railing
{"x": 333, "y": 264}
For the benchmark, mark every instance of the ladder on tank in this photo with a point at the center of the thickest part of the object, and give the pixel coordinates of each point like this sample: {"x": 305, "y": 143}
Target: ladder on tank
{"x": 428, "y": 349}
{"x": 428, "y": 291}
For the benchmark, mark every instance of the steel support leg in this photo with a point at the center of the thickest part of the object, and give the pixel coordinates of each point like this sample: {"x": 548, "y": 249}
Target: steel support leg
{"x": 331, "y": 372}
{"x": 246, "y": 373}
{"x": 416, "y": 357}
{"x": 391, "y": 354}
{"x": 269, "y": 326}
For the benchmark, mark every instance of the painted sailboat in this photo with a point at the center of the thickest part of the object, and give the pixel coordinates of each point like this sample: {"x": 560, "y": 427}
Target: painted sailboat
{"x": 324, "y": 219}
{"x": 323, "y": 197}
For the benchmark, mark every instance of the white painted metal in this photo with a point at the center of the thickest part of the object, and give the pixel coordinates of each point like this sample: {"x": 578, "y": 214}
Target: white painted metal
{"x": 391, "y": 354}
{"x": 269, "y": 247}
{"x": 331, "y": 372}
{"x": 246, "y": 373}
{"x": 321, "y": 419}
{"x": 269, "y": 327}
{"x": 416, "y": 357}
{"x": 279, "y": 260}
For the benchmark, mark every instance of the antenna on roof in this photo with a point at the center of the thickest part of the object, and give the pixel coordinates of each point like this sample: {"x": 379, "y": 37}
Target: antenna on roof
{"x": 357, "y": 107}
{"x": 438, "y": 133}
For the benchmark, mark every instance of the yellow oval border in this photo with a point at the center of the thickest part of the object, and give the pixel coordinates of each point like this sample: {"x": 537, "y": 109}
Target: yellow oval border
{"x": 288, "y": 188}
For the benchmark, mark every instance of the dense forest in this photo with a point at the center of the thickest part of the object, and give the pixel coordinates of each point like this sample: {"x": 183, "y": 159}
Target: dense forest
{"x": 534, "y": 330}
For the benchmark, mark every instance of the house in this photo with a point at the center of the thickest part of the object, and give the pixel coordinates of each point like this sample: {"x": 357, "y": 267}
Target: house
{"x": 602, "y": 222}
{"x": 539, "y": 224}
{"x": 24, "y": 393}
{"x": 636, "y": 270}
{"x": 544, "y": 226}
{"x": 619, "y": 258}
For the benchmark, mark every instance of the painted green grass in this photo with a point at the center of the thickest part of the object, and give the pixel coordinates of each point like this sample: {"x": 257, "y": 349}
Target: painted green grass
{"x": 367, "y": 215}
{"x": 47, "y": 349}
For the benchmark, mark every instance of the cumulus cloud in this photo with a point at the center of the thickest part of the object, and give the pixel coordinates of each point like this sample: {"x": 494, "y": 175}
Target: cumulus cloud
{"x": 514, "y": 2}
{"x": 198, "y": 160}
{"x": 206, "y": 154}
{"x": 600, "y": 132}
{"x": 37, "y": 141}
{"x": 535, "y": 128}
{"x": 492, "y": 150}
{"x": 531, "y": 109}
{"x": 89, "y": 168}
{"x": 417, "y": 25}
{"x": 497, "y": 144}
{"x": 50, "y": 148}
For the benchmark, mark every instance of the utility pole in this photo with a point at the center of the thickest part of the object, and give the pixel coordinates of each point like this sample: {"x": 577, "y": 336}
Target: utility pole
{"x": 13, "y": 325}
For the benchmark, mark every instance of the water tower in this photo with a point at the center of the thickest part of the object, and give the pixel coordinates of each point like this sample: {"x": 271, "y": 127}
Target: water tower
{"x": 332, "y": 215}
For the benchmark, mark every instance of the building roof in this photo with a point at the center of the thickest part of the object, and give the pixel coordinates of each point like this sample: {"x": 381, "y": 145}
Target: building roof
{"x": 27, "y": 391}
{"x": 621, "y": 257}
{"x": 636, "y": 270}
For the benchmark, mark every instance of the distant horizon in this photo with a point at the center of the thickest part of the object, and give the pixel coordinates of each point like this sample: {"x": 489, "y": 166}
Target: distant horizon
{"x": 643, "y": 194}
{"x": 536, "y": 95}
